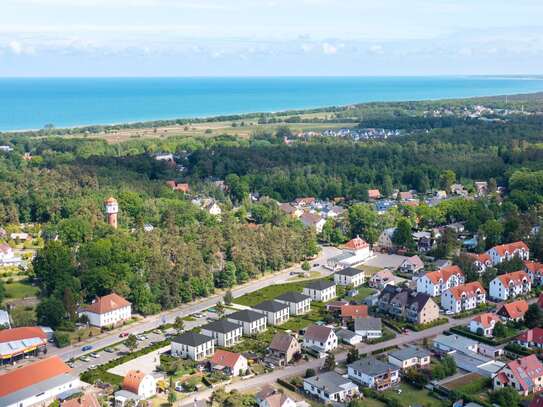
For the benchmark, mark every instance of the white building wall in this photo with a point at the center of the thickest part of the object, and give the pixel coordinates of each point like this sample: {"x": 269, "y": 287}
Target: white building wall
{"x": 48, "y": 396}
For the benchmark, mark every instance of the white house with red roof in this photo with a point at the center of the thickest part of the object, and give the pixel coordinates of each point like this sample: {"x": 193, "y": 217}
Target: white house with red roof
{"x": 109, "y": 310}
{"x": 535, "y": 271}
{"x": 355, "y": 251}
{"x": 484, "y": 324}
{"x": 481, "y": 261}
{"x": 504, "y": 252}
{"x": 320, "y": 338}
{"x": 463, "y": 297}
{"x": 37, "y": 384}
{"x": 137, "y": 385}
{"x": 524, "y": 375}
{"x": 434, "y": 283}
{"x": 510, "y": 285}
{"x": 532, "y": 338}
{"x": 230, "y": 363}
{"x": 513, "y": 311}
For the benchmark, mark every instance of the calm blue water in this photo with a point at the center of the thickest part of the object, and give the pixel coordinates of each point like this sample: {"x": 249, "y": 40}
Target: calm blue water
{"x": 32, "y": 103}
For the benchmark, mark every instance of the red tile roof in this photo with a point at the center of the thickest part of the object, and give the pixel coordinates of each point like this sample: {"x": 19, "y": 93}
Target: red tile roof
{"x": 132, "y": 381}
{"x": 374, "y": 194}
{"x": 31, "y": 374}
{"x": 485, "y": 320}
{"x": 470, "y": 289}
{"x": 19, "y": 334}
{"x": 515, "y": 309}
{"x": 510, "y": 247}
{"x": 86, "y": 400}
{"x": 110, "y": 200}
{"x": 318, "y": 333}
{"x": 533, "y": 266}
{"x": 356, "y": 244}
{"x": 481, "y": 257}
{"x": 225, "y": 358}
{"x": 516, "y": 278}
{"x": 444, "y": 274}
{"x": 354, "y": 311}
{"x": 534, "y": 335}
{"x": 107, "y": 303}
{"x": 527, "y": 366}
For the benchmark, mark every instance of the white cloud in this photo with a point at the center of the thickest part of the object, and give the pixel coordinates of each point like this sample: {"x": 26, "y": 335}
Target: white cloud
{"x": 19, "y": 48}
{"x": 376, "y": 50}
{"x": 329, "y": 49}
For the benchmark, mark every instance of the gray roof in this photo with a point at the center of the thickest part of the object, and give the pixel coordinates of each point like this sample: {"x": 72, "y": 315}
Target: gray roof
{"x": 320, "y": 285}
{"x": 456, "y": 342}
{"x": 41, "y": 387}
{"x": 372, "y": 367}
{"x": 409, "y": 353}
{"x": 222, "y": 325}
{"x": 350, "y": 271}
{"x": 367, "y": 324}
{"x": 346, "y": 334}
{"x": 329, "y": 381}
{"x": 246, "y": 315}
{"x": 293, "y": 296}
{"x": 192, "y": 339}
{"x": 271, "y": 306}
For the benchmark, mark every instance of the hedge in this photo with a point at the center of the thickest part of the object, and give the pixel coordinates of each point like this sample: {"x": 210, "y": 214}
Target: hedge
{"x": 489, "y": 341}
{"x": 422, "y": 327}
{"x": 287, "y": 385}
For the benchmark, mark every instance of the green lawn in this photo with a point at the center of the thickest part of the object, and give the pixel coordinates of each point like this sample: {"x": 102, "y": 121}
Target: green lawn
{"x": 20, "y": 290}
{"x": 363, "y": 292}
{"x": 412, "y": 396}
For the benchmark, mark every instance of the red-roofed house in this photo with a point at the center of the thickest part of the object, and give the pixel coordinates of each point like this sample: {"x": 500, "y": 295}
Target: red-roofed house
{"x": 374, "y": 194}
{"x": 501, "y": 253}
{"x": 535, "y": 271}
{"x": 463, "y": 297}
{"x": 510, "y": 285}
{"x": 532, "y": 338}
{"x": 108, "y": 310}
{"x": 140, "y": 383}
{"x": 434, "y": 283}
{"x": 84, "y": 400}
{"x": 306, "y": 201}
{"x": 355, "y": 251}
{"x": 524, "y": 375}
{"x": 483, "y": 324}
{"x": 230, "y": 363}
{"x": 350, "y": 312}
{"x": 481, "y": 261}
{"x": 176, "y": 186}
{"x": 514, "y": 311}
{"x": 38, "y": 383}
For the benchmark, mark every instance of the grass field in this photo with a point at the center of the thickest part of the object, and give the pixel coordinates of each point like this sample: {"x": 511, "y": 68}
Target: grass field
{"x": 20, "y": 290}
{"x": 411, "y": 396}
{"x": 363, "y": 292}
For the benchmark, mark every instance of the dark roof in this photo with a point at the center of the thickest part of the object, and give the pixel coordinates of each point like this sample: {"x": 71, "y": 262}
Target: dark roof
{"x": 293, "y": 296}
{"x": 372, "y": 367}
{"x": 281, "y": 342}
{"x": 222, "y": 326}
{"x": 246, "y": 315}
{"x": 191, "y": 339}
{"x": 350, "y": 271}
{"x": 320, "y": 285}
{"x": 404, "y": 296}
{"x": 318, "y": 333}
{"x": 367, "y": 324}
{"x": 409, "y": 353}
{"x": 271, "y": 306}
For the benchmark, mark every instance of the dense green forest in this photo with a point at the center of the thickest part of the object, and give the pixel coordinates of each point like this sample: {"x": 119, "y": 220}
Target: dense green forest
{"x": 190, "y": 252}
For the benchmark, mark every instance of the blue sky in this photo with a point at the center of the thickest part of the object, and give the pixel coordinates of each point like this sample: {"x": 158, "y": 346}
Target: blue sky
{"x": 269, "y": 37}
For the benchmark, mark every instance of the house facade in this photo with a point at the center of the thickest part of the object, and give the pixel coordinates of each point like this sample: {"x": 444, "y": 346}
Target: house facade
{"x": 484, "y": 324}
{"x": 109, "y": 310}
{"x": 510, "y": 285}
{"x": 283, "y": 347}
{"x": 141, "y": 384}
{"x": 350, "y": 312}
{"x": 412, "y": 265}
{"x": 504, "y": 252}
{"x": 252, "y": 322}
{"x": 276, "y": 312}
{"x": 350, "y": 276}
{"x": 321, "y": 290}
{"x": 532, "y": 338}
{"x": 524, "y": 375}
{"x": 410, "y": 357}
{"x": 513, "y": 311}
{"x": 193, "y": 346}
{"x": 298, "y": 303}
{"x": 223, "y": 332}
{"x": 413, "y": 306}
{"x": 368, "y": 328}
{"x": 331, "y": 387}
{"x": 535, "y": 271}
{"x": 464, "y": 297}
{"x": 435, "y": 282}
{"x": 381, "y": 279}
{"x": 373, "y": 373}
{"x": 230, "y": 363}
{"x": 320, "y": 338}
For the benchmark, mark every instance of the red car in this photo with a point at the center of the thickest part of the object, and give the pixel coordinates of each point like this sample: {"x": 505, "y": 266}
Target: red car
{"x": 123, "y": 334}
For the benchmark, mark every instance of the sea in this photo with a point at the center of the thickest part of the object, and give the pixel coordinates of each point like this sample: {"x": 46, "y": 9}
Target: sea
{"x": 32, "y": 103}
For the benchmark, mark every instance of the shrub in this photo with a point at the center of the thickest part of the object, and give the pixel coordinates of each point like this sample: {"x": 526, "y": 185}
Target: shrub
{"x": 61, "y": 339}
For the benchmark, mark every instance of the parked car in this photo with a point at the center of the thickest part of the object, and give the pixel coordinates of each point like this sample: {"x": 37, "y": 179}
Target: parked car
{"x": 109, "y": 350}
{"x": 86, "y": 348}
{"x": 123, "y": 334}
{"x": 84, "y": 359}
{"x": 94, "y": 355}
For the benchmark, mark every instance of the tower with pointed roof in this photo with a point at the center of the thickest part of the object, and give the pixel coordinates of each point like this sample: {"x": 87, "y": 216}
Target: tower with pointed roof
{"x": 112, "y": 209}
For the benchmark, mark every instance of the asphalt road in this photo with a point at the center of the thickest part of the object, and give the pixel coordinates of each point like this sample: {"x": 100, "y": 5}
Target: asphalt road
{"x": 152, "y": 322}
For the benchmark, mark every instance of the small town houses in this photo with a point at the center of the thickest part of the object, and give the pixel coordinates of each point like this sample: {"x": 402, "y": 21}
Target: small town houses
{"x": 535, "y": 271}
{"x": 501, "y": 253}
{"x": 109, "y": 310}
{"x": 418, "y": 308}
{"x": 331, "y": 387}
{"x": 350, "y": 276}
{"x": 513, "y": 311}
{"x": 350, "y": 312}
{"x": 410, "y": 357}
{"x": 298, "y": 303}
{"x": 271, "y": 397}
{"x": 524, "y": 375}
{"x": 484, "y": 324}
{"x": 193, "y": 346}
{"x": 283, "y": 348}
{"x": 321, "y": 290}
{"x": 224, "y": 332}
{"x": 136, "y": 386}
{"x": 354, "y": 252}
{"x": 251, "y": 321}
{"x": 464, "y": 297}
{"x": 532, "y": 338}
{"x": 412, "y": 265}
{"x": 368, "y": 328}
{"x": 230, "y": 363}
{"x": 320, "y": 338}
{"x": 435, "y": 282}
{"x": 481, "y": 261}
{"x": 510, "y": 285}
{"x": 276, "y": 312}
{"x": 373, "y": 373}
